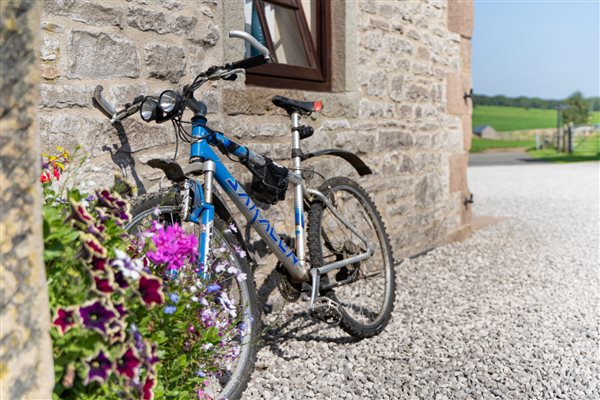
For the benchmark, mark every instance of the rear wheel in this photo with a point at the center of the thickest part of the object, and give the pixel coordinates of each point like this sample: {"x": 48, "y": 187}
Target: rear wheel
{"x": 364, "y": 290}
{"x": 231, "y": 379}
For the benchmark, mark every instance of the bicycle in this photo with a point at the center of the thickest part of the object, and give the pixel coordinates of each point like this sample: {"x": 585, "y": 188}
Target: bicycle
{"x": 342, "y": 254}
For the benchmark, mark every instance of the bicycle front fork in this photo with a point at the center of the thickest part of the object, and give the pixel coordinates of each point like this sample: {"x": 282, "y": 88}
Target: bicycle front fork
{"x": 203, "y": 213}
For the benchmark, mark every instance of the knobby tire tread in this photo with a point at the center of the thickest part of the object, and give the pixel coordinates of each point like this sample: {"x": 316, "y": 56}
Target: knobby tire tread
{"x": 316, "y": 255}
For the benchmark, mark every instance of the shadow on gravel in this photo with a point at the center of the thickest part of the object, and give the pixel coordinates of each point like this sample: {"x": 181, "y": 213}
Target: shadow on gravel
{"x": 297, "y": 326}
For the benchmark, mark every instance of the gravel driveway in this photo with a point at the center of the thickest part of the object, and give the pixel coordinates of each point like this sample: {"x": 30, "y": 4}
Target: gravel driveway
{"x": 513, "y": 312}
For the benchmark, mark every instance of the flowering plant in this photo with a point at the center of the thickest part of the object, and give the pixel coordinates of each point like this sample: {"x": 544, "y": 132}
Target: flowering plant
{"x": 95, "y": 291}
{"x": 134, "y": 316}
{"x": 200, "y": 327}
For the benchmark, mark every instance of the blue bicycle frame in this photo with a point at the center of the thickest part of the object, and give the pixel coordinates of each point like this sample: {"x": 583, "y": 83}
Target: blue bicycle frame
{"x": 203, "y": 212}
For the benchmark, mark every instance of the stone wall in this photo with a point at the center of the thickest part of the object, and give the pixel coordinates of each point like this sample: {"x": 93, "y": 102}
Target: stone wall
{"x": 26, "y": 370}
{"x": 400, "y": 70}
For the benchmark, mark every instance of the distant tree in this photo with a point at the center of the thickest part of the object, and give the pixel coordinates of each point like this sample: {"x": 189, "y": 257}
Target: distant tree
{"x": 578, "y": 110}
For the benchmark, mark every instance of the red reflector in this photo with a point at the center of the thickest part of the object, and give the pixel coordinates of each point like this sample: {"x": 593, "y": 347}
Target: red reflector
{"x": 318, "y": 105}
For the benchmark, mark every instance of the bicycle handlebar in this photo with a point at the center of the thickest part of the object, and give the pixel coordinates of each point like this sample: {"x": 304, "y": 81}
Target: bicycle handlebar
{"x": 252, "y": 40}
{"x": 227, "y": 72}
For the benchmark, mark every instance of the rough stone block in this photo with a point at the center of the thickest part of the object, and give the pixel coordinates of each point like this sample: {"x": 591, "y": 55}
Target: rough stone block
{"x": 377, "y": 83}
{"x": 417, "y": 93}
{"x": 460, "y": 17}
{"x": 372, "y": 40}
{"x": 50, "y": 49}
{"x": 390, "y": 140}
{"x": 253, "y": 100}
{"x": 428, "y": 191}
{"x": 89, "y": 12}
{"x": 99, "y": 55}
{"x": 120, "y": 94}
{"x": 400, "y": 46}
{"x": 64, "y": 96}
{"x": 374, "y": 109}
{"x": 147, "y": 20}
{"x": 396, "y": 89}
{"x": 49, "y": 72}
{"x": 213, "y": 34}
{"x": 165, "y": 62}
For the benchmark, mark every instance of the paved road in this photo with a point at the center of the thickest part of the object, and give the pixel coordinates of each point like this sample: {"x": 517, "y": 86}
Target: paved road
{"x": 501, "y": 158}
{"x": 512, "y": 313}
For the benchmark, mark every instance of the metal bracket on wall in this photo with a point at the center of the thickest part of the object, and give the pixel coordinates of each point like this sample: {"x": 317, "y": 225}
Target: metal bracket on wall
{"x": 468, "y": 200}
{"x": 468, "y": 95}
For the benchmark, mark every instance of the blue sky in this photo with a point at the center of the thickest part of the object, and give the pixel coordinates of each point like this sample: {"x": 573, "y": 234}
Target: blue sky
{"x": 544, "y": 49}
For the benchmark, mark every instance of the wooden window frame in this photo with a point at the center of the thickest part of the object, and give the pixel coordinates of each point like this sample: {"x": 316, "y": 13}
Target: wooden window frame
{"x": 317, "y": 76}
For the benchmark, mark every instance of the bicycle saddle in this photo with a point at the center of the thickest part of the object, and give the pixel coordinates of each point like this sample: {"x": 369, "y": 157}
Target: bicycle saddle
{"x": 303, "y": 107}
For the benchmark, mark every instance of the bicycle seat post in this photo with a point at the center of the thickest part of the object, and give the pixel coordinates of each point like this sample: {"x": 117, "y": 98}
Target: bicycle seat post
{"x": 298, "y": 195}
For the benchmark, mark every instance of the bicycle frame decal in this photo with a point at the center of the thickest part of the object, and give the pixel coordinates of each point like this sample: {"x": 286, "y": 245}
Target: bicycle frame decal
{"x": 202, "y": 151}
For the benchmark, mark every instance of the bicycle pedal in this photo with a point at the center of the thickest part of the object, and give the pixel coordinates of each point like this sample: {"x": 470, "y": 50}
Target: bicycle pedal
{"x": 326, "y": 310}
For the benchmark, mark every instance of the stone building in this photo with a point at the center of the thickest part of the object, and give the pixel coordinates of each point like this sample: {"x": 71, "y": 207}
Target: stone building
{"x": 392, "y": 76}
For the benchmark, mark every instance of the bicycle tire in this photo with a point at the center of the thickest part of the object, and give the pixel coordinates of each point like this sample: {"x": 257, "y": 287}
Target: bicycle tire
{"x": 319, "y": 244}
{"x": 166, "y": 203}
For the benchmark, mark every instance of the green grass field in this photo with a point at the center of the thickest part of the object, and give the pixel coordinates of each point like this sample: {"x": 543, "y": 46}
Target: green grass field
{"x": 478, "y": 145}
{"x": 586, "y": 149}
{"x": 514, "y": 118}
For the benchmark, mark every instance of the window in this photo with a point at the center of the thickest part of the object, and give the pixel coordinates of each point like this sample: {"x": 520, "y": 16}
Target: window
{"x": 298, "y": 35}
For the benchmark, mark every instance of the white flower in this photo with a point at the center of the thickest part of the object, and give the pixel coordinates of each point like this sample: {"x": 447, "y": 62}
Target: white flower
{"x": 241, "y": 277}
{"x": 232, "y": 270}
{"x": 194, "y": 298}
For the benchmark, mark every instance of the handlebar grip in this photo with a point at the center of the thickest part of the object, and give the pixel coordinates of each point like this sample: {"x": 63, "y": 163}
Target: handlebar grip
{"x": 102, "y": 104}
{"x": 247, "y": 63}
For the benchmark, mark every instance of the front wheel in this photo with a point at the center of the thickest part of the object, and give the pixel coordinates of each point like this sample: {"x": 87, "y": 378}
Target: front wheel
{"x": 364, "y": 290}
{"x": 232, "y": 309}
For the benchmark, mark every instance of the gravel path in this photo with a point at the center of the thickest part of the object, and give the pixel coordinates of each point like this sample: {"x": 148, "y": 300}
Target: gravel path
{"x": 512, "y": 313}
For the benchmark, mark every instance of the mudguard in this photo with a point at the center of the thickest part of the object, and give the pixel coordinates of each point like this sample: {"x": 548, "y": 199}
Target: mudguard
{"x": 354, "y": 160}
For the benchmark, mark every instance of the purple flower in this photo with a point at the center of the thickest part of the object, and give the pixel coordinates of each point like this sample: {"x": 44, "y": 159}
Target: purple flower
{"x": 97, "y": 316}
{"x": 120, "y": 280}
{"x": 174, "y": 297}
{"x": 98, "y": 264}
{"x": 99, "y": 368}
{"x": 92, "y": 247}
{"x": 174, "y": 247}
{"x": 79, "y": 213}
{"x": 104, "y": 284}
{"x": 150, "y": 357}
{"x": 213, "y": 287}
{"x": 148, "y": 388}
{"x": 116, "y": 331}
{"x": 149, "y": 288}
{"x": 129, "y": 363}
{"x": 208, "y": 316}
{"x": 90, "y": 198}
{"x": 120, "y": 308}
{"x": 170, "y": 310}
{"x": 64, "y": 319}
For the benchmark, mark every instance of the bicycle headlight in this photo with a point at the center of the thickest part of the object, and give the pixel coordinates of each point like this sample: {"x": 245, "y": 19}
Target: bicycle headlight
{"x": 149, "y": 109}
{"x": 168, "y": 101}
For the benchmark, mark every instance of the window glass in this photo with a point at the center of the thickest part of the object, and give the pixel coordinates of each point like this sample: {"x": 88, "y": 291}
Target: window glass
{"x": 285, "y": 35}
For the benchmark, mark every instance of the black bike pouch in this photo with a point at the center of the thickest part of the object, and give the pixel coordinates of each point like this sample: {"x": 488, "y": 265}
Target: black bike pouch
{"x": 269, "y": 182}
